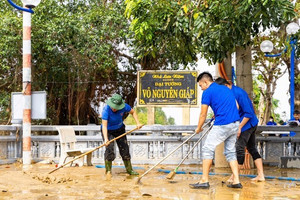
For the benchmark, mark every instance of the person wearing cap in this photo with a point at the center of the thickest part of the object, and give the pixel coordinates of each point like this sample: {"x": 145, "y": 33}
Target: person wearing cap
{"x": 113, "y": 126}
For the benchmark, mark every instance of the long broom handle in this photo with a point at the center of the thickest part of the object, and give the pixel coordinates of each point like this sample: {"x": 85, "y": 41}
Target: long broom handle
{"x": 88, "y": 152}
{"x": 170, "y": 153}
{"x": 199, "y": 140}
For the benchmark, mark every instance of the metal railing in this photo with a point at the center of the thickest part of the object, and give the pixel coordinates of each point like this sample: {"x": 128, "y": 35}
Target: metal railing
{"x": 147, "y": 145}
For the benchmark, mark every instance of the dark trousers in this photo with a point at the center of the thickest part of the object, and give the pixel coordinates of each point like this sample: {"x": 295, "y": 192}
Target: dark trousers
{"x": 121, "y": 142}
{"x": 246, "y": 139}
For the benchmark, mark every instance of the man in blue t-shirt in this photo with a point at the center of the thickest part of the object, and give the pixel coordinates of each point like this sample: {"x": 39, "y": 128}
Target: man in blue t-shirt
{"x": 112, "y": 126}
{"x": 294, "y": 122}
{"x": 225, "y": 128}
{"x": 271, "y": 122}
{"x": 247, "y": 128}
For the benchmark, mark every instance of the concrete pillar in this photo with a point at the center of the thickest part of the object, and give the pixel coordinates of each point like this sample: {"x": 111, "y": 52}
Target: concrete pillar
{"x": 220, "y": 160}
{"x": 150, "y": 115}
{"x": 186, "y": 115}
{"x": 27, "y": 88}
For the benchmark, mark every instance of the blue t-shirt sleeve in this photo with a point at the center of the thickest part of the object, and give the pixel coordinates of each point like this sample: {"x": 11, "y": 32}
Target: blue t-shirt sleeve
{"x": 105, "y": 113}
{"x": 206, "y": 97}
{"x": 127, "y": 108}
{"x": 245, "y": 104}
{"x": 271, "y": 123}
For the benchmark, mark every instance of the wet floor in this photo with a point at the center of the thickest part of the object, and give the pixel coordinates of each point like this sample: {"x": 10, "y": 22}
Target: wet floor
{"x": 83, "y": 183}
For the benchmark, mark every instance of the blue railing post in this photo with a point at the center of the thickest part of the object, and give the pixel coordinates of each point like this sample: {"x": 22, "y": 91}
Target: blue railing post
{"x": 292, "y": 76}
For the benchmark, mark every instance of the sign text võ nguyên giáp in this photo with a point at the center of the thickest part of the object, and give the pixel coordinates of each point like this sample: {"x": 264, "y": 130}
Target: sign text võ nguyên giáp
{"x": 167, "y": 88}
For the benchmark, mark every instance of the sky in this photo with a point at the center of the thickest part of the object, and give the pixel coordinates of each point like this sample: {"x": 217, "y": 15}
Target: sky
{"x": 281, "y": 93}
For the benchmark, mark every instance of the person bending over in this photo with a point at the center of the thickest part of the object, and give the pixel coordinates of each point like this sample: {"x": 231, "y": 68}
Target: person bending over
{"x": 247, "y": 128}
{"x": 113, "y": 126}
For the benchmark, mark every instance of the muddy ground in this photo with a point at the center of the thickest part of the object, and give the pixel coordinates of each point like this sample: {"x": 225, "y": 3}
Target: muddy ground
{"x": 33, "y": 182}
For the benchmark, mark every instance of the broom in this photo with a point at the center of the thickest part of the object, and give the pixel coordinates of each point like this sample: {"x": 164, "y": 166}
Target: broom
{"x": 80, "y": 156}
{"x": 172, "y": 173}
{"x": 140, "y": 177}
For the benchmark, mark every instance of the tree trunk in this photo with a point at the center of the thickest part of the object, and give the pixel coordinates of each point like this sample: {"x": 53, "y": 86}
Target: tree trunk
{"x": 227, "y": 66}
{"x": 261, "y": 107}
{"x": 243, "y": 69}
{"x": 268, "y": 103}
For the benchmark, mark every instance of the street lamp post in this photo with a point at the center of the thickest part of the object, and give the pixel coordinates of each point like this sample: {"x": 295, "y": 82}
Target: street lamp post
{"x": 27, "y": 11}
{"x": 267, "y": 47}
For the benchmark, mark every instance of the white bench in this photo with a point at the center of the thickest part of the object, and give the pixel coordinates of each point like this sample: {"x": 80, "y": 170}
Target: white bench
{"x": 67, "y": 147}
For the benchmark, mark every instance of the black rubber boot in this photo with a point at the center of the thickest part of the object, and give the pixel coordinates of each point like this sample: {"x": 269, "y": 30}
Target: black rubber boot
{"x": 108, "y": 165}
{"x": 128, "y": 167}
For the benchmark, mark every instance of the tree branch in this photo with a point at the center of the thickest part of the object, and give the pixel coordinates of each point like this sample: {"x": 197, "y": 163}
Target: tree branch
{"x": 118, "y": 53}
{"x": 262, "y": 73}
{"x": 261, "y": 92}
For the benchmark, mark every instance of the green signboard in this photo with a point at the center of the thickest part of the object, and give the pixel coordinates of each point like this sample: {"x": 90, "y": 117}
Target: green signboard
{"x": 158, "y": 88}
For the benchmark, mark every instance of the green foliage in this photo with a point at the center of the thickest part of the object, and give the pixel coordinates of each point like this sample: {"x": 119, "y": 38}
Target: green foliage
{"x": 160, "y": 117}
{"x": 275, "y": 104}
{"x": 297, "y": 10}
{"x": 228, "y": 24}
{"x": 162, "y": 32}
{"x": 142, "y": 116}
{"x": 10, "y": 56}
{"x": 270, "y": 69}
{"x": 210, "y": 115}
{"x": 78, "y": 46}
{"x": 297, "y": 80}
{"x": 256, "y": 93}
{"x": 75, "y": 55}
{"x": 212, "y": 28}
{"x": 171, "y": 121}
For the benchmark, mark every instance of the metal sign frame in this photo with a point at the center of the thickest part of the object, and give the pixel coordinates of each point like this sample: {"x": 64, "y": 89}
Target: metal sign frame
{"x": 167, "y": 88}
{"x": 38, "y": 105}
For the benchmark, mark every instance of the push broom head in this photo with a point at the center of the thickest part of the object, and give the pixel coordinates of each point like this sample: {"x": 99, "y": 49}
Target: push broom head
{"x": 138, "y": 180}
{"x": 171, "y": 175}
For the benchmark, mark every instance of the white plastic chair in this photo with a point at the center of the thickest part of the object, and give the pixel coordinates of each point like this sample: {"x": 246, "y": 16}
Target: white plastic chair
{"x": 67, "y": 146}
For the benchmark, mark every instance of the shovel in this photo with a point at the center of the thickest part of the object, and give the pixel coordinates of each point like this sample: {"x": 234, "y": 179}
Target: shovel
{"x": 80, "y": 156}
{"x": 172, "y": 173}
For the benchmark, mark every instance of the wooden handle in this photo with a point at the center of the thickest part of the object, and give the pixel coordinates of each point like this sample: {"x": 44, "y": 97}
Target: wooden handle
{"x": 88, "y": 152}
